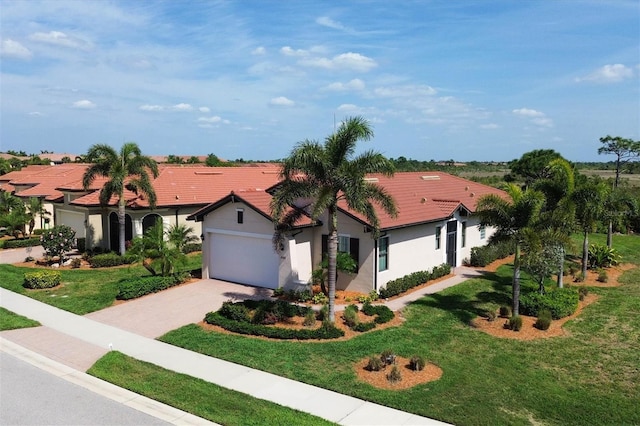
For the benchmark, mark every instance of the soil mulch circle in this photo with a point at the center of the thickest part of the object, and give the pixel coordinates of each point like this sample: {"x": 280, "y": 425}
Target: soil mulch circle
{"x": 410, "y": 378}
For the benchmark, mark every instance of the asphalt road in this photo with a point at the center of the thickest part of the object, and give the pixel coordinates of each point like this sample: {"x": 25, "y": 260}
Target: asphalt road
{"x": 31, "y": 396}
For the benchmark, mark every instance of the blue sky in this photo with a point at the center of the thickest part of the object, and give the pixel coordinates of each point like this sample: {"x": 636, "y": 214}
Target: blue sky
{"x": 442, "y": 79}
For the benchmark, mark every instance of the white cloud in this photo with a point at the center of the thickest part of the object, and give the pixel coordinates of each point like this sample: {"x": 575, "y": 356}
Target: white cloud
{"x": 182, "y": 107}
{"x": 204, "y": 109}
{"x": 36, "y": 114}
{"x": 12, "y": 48}
{"x": 60, "y": 39}
{"x": 406, "y": 91}
{"x": 288, "y": 51}
{"x": 526, "y": 112}
{"x": 536, "y": 117}
{"x": 259, "y": 51}
{"x": 325, "y": 21}
{"x": 489, "y": 126}
{"x": 609, "y": 74}
{"x": 347, "y": 107}
{"x": 355, "y": 84}
{"x": 84, "y": 104}
{"x": 282, "y": 101}
{"x": 346, "y": 61}
{"x": 213, "y": 119}
{"x": 151, "y": 108}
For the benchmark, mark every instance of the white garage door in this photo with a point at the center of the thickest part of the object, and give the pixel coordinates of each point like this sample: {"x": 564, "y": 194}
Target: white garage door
{"x": 74, "y": 220}
{"x": 246, "y": 259}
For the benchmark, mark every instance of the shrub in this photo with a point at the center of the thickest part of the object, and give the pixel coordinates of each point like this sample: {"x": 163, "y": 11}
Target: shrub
{"x": 41, "y": 279}
{"x": 21, "y": 243}
{"x": 417, "y": 363}
{"x": 303, "y": 295}
{"x": 364, "y": 326}
{"x": 505, "y": 311}
{"x": 58, "y": 240}
{"x": 603, "y": 277}
{"x": 81, "y": 244}
{"x": 375, "y": 364}
{"x": 324, "y": 332}
{"x": 388, "y": 357}
{"x": 578, "y": 277}
{"x": 382, "y": 312}
{"x": 278, "y": 292}
{"x": 582, "y": 292}
{"x": 401, "y": 285}
{"x": 350, "y": 316}
{"x": 310, "y": 318}
{"x": 484, "y": 255}
{"x": 38, "y": 231}
{"x": 561, "y": 302}
{"x": 394, "y": 375}
{"x": 491, "y": 316}
{"x": 76, "y": 263}
{"x": 601, "y": 256}
{"x": 440, "y": 271}
{"x": 323, "y": 313}
{"x": 235, "y": 311}
{"x": 515, "y": 323}
{"x": 138, "y": 287}
{"x": 106, "y": 260}
{"x": 320, "y": 298}
{"x": 544, "y": 320}
{"x": 191, "y": 247}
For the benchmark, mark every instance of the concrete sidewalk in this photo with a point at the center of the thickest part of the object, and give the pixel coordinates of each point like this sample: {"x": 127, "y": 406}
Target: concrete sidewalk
{"x": 330, "y": 405}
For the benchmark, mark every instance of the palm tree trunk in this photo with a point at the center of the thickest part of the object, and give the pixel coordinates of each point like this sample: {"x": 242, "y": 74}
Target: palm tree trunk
{"x": 561, "y": 269}
{"x": 121, "y": 226}
{"x": 585, "y": 254}
{"x": 332, "y": 248}
{"x": 516, "y": 281}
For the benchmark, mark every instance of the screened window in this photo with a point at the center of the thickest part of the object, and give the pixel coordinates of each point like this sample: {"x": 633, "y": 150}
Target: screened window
{"x": 464, "y": 234}
{"x": 438, "y": 232}
{"x": 383, "y": 254}
{"x": 483, "y": 232}
{"x": 344, "y": 243}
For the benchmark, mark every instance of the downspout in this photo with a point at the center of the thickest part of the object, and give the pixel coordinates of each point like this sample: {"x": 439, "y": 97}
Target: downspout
{"x": 177, "y": 210}
{"x": 375, "y": 264}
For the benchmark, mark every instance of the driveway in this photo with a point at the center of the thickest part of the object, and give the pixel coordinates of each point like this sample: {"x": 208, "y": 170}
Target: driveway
{"x": 18, "y": 255}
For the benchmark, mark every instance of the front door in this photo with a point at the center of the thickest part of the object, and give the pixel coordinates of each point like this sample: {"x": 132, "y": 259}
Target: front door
{"x": 452, "y": 242}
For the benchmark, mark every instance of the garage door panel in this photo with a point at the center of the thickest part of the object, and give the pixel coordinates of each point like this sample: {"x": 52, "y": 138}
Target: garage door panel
{"x": 74, "y": 220}
{"x": 244, "y": 259}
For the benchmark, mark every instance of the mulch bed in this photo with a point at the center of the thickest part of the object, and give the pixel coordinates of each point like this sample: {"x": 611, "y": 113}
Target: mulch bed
{"x": 410, "y": 377}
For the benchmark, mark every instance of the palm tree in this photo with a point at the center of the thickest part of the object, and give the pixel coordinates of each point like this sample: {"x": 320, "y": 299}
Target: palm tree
{"x": 36, "y": 208}
{"x": 158, "y": 255}
{"x": 512, "y": 218}
{"x": 128, "y": 169}
{"x": 589, "y": 199}
{"x": 326, "y": 174}
{"x": 8, "y": 202}
{"x": 181, "y": 235}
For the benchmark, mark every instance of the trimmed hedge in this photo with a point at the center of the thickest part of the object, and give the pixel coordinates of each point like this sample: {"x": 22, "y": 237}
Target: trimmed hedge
{"x": 131, "y": 289}
{"x": 192, "y": 247}
{"x": 25, "y": 242}
{"x": 106, "y": 260}
{"x": 484, "y": 255}
{"x": 41, "y": 279}
{"x": 403, "y": 284}
{"x": 324, "y": 332}
{"x": 561, "y": 302}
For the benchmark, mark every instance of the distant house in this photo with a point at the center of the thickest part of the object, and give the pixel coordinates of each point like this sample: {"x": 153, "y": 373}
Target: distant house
{"x": 436, "y": 224}
{"x": 181, "y": 190}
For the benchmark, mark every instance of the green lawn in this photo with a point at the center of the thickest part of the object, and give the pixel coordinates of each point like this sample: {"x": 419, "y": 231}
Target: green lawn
{"x": 12, "y": 321}
{"x": 82, "y": 290}
{"x": 588, "y": 377}
{"x": 196, "y": 396}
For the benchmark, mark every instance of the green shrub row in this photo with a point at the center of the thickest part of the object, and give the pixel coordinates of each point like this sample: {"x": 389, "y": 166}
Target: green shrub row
{"x": 484, "y": 255}
{"x": 25, "y": 242}
{"x": 382, "y": 312}
{"x": 106, "y": 260}
{"x": 191, "y": 247}
{"x": 41, "y": 279}
{"x": 403, "y": 284}
{"x": 561, "y": 302}
{"x": 138, "y": 287}
{"x": 327, "y": 331}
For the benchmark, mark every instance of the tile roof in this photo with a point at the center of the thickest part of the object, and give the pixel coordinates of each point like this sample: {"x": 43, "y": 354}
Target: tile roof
{"x": 43, "y": 180}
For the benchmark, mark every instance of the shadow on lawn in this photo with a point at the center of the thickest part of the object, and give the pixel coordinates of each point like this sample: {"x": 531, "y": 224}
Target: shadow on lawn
{"x": 466, "y": 308}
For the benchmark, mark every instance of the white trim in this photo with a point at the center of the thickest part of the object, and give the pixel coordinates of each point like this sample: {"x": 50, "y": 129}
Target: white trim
{"x": 238, "y": 233}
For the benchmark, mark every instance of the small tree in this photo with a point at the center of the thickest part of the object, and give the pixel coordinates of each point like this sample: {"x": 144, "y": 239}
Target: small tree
{"x": 58, "y": 240}
{"x": 157, "y": 255}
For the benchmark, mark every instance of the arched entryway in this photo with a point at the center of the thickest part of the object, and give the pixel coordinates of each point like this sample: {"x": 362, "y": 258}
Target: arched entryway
{"x": 114, "y": 230}
{"x": 149, "y": 220}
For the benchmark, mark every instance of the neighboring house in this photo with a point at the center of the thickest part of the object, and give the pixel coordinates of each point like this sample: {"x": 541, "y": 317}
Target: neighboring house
{"x": 180, "y": 189}
{"x": 435, "y": 225}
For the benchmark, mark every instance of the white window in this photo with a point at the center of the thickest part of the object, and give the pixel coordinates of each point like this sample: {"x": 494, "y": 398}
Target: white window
{"x": 240, "y": 215}
{"x": 438, "y": 232}
{"x": 483, "y": 232}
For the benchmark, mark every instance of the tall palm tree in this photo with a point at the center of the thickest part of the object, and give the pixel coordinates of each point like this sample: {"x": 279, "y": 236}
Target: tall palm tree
{"x": 327, "y": 173}
{"x": 512, "y": 218}
{"x": 589, "y": 199}
{"x": 36, "y": 208}
{"x": 128, "y": 169}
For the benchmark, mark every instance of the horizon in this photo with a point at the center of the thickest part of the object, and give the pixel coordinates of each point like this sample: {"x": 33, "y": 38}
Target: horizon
{"x": 470, "y": 81}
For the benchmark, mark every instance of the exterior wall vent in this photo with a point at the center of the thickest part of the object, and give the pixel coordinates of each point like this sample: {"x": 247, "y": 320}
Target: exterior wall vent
{"x": 430, "y": 177}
